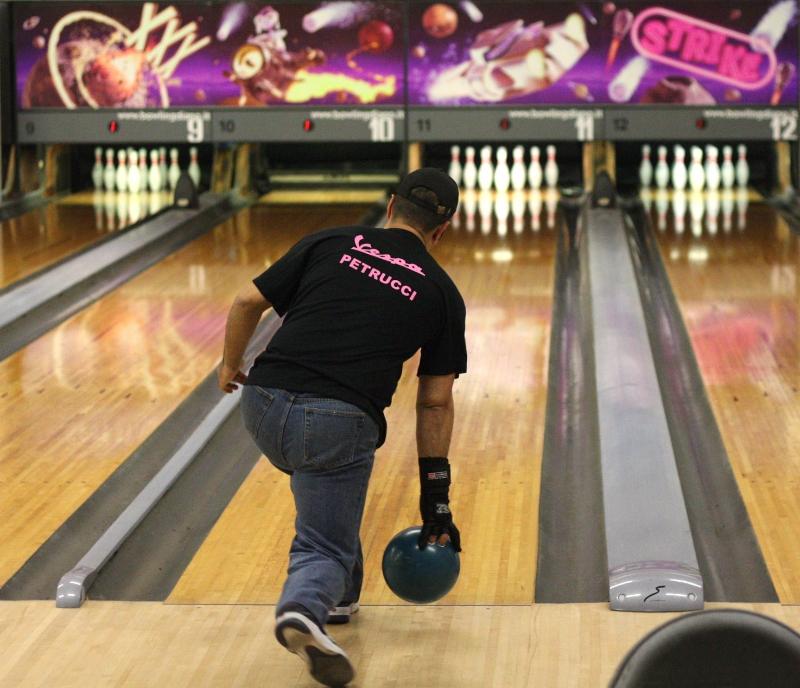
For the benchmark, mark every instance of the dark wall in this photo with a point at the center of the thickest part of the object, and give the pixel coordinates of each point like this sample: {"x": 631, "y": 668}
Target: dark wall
{"x": 6, "y": 80}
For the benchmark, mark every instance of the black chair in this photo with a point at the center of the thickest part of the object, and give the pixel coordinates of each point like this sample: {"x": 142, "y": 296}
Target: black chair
{"x": 725, "y": 648}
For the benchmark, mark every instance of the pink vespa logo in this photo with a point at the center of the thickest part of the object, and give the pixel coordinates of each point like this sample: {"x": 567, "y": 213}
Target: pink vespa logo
{"x": 704, "y": 49}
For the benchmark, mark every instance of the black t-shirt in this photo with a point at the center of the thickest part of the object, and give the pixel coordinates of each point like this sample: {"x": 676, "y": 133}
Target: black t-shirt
{"x": 358, "y": 302}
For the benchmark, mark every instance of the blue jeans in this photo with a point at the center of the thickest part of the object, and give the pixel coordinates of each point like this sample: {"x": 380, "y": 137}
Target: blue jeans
{"x": 328, "y": 447}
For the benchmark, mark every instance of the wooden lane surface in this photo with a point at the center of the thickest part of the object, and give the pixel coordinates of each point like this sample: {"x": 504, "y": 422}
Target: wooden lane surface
{"x": 739, "y": 294}
{"x": 229, "y": 646}
{"x": 495, "y": 453}
{"x": 76, "y": 402}
{"x": 45, "y": 235}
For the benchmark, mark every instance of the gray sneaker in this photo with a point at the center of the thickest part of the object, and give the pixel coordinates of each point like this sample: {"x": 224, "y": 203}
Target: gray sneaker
{"x": 341, "y": 615}
{"x": 326, "y": 661}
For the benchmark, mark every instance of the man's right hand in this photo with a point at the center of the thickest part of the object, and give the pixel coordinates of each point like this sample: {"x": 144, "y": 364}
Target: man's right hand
{"x": 434, "y": 503}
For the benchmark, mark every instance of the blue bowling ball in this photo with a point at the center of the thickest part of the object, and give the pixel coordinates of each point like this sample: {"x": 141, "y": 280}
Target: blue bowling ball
{"x": 419, "y": 576}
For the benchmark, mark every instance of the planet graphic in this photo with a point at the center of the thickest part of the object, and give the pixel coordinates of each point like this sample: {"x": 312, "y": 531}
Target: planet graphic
{"x": 376, "y": 36}
{"x": 440, "y": 21}
{"x": 94, "y": 71}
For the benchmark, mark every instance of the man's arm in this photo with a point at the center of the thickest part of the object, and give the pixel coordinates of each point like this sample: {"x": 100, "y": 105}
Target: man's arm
{"x": 435, "y": 413}
{"x": 243, "y": 317}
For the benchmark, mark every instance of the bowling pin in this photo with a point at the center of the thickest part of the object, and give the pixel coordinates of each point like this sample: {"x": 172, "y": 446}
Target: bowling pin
{"x": 679, "y": 173}
{"x": 662, "y": 169}
{"x": 485, "y": 170}
{"x": 645, "y": 169}
{"x": 712, "y": 211}
{"x": 134, "y": 177}
{"x": 712, "y": 170}
{"x": 122, "y": 173}
{"x": 551, "y": 203}
{"x": 110, "y": 206}
{"x": 97, "y": 170}
{"x": 194, "y": 168}
{"x": 551, "y": 168}
{"x": 727, "y": 209}
{"x": 485, "y": 207}
{"x": 535, "y": 208}
{"x": 162, "y": 167}
{"x": 121, "y": 201}
{"x": 728, "y": 172}
{"x": 134, "y": 203}
{"x": 646, "y": 196}
{"x": 662, "y": 206}
{"x": 470, "y": 176}
{"x": 518, "y": 168}
{"x": 697, "y": 175}
{"x": 518, "y": 207}
{"x": 455, "y": 165}
{"x": 470, "y": 206}
{"x": 697, "y": 206}
{"x": 502, "y": 173}
{"x": 742, "y": 168}
{"x": 174, "y": 171}
{"x": 154, "y": 173}
{"x": 109, "y": 174}
{"x": 679, "y": 210}
{"x": 535, "y": 169}
{"x": 502, "y": 207}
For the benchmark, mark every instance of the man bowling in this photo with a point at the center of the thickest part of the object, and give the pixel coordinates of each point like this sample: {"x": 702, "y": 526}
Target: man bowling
{"x": 357, "y": 302}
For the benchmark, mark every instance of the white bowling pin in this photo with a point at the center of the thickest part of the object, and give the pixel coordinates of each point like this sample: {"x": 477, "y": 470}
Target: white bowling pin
{"x": 97, "y": 170}
{"x": 162, "y": 167}
{"x": 174, "y": 170}
{"x": 485, "y": 207}
{"x": 154, "y": 173}
{"x": 455, "y": 165}
{"x": 502, "y": 208}
{"x": 470, "y": 206}
{"x": 662, "y": 169}
{"x": 551, "y": 168}
{"x": 535, "y": 169}
{"x": 110, "y": 206}
{"x": 697, "y": 175}
{"x": 728, "y": 172}
{"x": 502, "y": 172}
{"x": 143, "y": 178}
{"x": 122, "y": 174}
{"x": 109, "y": 173}
{"x": 470, "y": 176}
{"x": 679, "y": 210}
{"x": 518, "y": 172}
{"x": 485, "y": 170}
{"x": 645, "y": 169}
{"x": 680, "y": 175}
{"x": 535, "y": 208}
{"x": 662, "y": 206}
{"x": 742, "y": 168}
{"x": 646, "y": 196}
{"x": 194, "y": 167}
{"x": 712, "y": 170}
{"x": 518, "y": 208}
{"x": 122, "y": 206}
{"x": 134, "y": 174}
{"x": 134, "y": 204}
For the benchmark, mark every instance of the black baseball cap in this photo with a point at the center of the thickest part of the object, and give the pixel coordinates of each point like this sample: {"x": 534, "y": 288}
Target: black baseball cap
{"x": 435, "y": 180}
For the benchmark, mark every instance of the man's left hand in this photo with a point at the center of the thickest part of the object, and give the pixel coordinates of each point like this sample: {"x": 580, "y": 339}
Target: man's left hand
{"x": 228, "y": 377}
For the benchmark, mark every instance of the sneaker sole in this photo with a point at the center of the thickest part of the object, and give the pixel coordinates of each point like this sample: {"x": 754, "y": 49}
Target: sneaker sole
{"x": 343, "y": 618}
{"x": 329, "y": 668}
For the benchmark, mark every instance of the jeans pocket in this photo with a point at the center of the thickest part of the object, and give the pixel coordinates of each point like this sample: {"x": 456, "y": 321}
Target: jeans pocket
{"x": 256, "y": 401}
{"x": 330, "y": 437}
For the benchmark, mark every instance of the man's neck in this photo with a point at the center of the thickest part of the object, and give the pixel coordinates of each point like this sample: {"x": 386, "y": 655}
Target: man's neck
{"x": 408, "y": 228}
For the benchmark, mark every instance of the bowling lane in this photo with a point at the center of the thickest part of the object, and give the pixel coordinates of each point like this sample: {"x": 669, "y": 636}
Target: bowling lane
{"x": 76, "y": 402}
{"x": 45, "y": 235}
{"x": 736, "y": 281}
{"x": 506, "y": 282}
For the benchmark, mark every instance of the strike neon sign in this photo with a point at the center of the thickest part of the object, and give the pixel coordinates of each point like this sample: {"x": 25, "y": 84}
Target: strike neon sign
{"x": 704, "y": 49}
